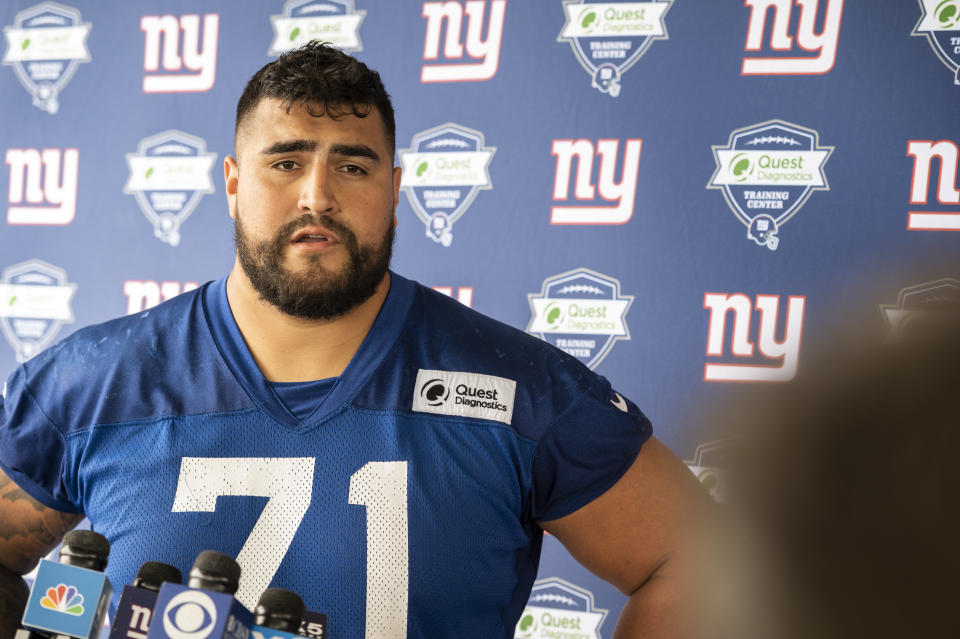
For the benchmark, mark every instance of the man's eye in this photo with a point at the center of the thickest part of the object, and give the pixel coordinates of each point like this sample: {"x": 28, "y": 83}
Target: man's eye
{"x": 286, "y": 165}
{"x": 353, "y": 169}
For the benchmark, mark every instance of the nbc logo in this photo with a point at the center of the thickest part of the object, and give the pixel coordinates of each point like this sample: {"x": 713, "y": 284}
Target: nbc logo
{"x": 63, "y": 598}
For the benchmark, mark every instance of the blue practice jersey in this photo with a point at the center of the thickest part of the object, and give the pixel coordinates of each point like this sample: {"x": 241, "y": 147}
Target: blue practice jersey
{"x": 405, "y": 504}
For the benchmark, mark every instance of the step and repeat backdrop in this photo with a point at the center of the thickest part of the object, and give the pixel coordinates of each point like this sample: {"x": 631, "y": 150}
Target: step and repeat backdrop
{"x": 679, "y": 193}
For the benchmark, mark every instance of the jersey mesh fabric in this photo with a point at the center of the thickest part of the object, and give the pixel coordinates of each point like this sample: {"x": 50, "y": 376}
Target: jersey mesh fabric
{"x": 162, "y": 430}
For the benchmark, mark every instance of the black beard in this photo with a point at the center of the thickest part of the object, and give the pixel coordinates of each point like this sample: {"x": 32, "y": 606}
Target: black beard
{"x": 316, "y": 293}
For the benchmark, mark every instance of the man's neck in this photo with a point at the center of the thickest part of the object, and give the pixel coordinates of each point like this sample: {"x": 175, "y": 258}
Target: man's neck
{"x": 292, "y": 349}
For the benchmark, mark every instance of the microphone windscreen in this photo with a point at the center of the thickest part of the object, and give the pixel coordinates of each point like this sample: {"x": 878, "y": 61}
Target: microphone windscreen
{"x": 153, "y": 574}
{"x": 279, "y": 609}
{"x": 86, "y": 549}
{"x": 215, "y": 571}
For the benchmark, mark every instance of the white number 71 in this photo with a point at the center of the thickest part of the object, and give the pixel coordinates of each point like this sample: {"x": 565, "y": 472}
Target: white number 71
{"x": 288, "y": 483}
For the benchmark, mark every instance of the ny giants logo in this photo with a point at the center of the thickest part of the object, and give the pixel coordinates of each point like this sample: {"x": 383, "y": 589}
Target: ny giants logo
{"x": 813, "y": 53}
{"x": 145, "y": 294}
{"x": 470, "y": 60}
{"x": 587, "y": 185}
{"x": 923, "y": 152}
{"x": 53, "y": 203}
{"x": 784, "y": 353}
{"x": 464, "y": 294}
{"x": 200, "y": 61}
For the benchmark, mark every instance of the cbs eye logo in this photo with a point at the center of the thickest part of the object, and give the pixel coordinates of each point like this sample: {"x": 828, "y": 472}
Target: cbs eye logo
{"x": 190, "y": 615}
{"x": 434, "y": 392}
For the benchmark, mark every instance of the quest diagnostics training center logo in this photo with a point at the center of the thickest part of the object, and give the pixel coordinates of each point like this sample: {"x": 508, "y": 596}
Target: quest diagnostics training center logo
{"x": 302, "y": 21}
{"x": 582, "y": 313}
{"x": 45, "y": 45}
{"x": 766, "y": 172}
{"x": 609, "y": 37}
{"x": 169, "y": 174}
{"x": 34, "y": 303}
{"x": 443, "y": 171}
{"x": 557, "y": 609}
{"x": 940, "y": 23}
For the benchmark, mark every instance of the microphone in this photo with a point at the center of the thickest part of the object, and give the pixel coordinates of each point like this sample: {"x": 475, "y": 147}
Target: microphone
{"x": 314, "y": 625}
{"x": 71, "y": 597}
{"x": 205, "y": 608}
{"x": 278, "y": 614}
{"x": 137, "y": 601}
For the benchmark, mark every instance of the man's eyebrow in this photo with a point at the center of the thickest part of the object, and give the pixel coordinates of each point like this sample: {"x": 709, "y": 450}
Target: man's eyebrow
{"x": 289, "y": 146}
{"x": 355, "y": 151}
{"x": 300, "y": 146}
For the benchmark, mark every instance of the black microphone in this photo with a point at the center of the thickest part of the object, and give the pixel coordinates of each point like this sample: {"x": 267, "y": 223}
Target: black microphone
{"x": 278, "y": 614}
{"x": 137, "y": 601}
{"x": 314, "y": 625}
{"x": 70, "y": 598}
{"x": 205, "y": 608}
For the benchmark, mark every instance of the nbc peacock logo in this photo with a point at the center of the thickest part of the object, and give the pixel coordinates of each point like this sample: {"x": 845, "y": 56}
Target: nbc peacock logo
{"x": 63, "y": 598}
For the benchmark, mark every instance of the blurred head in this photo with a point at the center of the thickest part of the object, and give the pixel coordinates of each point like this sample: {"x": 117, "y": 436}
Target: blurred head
{"x": 840, "y": 487}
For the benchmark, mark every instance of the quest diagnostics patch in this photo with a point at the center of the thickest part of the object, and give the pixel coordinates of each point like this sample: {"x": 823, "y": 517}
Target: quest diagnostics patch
{"x": 464, "y": 394}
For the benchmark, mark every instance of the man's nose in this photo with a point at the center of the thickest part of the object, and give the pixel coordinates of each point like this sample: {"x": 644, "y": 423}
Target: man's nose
{"x": 317, "y": 192}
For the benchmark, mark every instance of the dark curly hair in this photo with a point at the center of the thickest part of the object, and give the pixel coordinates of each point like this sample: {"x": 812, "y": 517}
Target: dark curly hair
{"x": 324, "y": 80}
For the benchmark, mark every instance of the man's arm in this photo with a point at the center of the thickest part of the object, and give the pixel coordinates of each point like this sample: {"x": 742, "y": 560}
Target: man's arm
{"x": 28, "y": 532}
{"x": 636, "y": 536}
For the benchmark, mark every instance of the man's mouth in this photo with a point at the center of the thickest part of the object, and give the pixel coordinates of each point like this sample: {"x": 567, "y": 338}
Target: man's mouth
{"x": 313, "y": 236}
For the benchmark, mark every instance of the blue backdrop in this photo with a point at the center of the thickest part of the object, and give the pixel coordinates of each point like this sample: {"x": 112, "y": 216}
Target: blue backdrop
{"x": 678, "y": 192}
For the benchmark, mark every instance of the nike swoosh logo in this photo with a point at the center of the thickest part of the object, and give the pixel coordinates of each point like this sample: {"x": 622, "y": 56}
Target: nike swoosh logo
{"x": 619, "y": 402}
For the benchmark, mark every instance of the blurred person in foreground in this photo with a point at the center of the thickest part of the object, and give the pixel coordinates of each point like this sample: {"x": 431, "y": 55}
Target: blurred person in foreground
{"x": 841, "y": 518}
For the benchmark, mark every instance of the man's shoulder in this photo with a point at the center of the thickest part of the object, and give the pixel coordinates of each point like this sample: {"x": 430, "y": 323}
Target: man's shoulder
{"x": 444, "y": 336}
{"x": 148, "y": 329}
{"x": 135, "y": 367}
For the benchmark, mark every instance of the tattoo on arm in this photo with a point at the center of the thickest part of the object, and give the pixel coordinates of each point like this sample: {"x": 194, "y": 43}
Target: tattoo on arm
{"x": 28, "y": 529}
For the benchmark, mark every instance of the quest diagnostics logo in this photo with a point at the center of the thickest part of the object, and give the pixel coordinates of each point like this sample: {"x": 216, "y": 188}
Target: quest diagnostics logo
{"x": 464, "y": 394}
{"x": 302, "y": 21}
{"x": 766, "y": 173}
{"x": 45, "y": 45}
{"x": 63, "y": 598}
{"x": 581, "y": 312}
{"x": 34, "y": 303}
{"x": 940, "y": 23}
{"x": 169, "y": 174}
{"x": 558, "y": 609}
{"x": 609, "y": 37}
{"x": 443, "y": 171}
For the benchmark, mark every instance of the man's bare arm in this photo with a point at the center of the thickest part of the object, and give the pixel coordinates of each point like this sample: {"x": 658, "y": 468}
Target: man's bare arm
{"x": 28, "y": 532}
{"x": 637, "y": 536}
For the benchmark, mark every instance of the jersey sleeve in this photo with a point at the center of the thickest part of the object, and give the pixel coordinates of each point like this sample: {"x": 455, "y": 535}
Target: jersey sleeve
{"x": 585, "y": 451}
{"x": 32, "y": 450}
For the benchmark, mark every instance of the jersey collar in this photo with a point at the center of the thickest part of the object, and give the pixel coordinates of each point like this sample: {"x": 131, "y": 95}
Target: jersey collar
{"x": 377, "y": 344}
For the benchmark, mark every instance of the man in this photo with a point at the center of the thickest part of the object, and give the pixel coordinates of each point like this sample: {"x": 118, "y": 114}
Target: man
{"x": 410, "y": 450}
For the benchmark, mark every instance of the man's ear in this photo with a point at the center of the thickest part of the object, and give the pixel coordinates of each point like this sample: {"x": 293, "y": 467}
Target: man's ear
{"x": 231, "y": 176}
{"x": 397, "y": 174}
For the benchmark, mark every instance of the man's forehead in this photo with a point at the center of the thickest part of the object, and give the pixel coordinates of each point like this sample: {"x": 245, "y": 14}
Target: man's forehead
{"x": 272, "y": 119}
